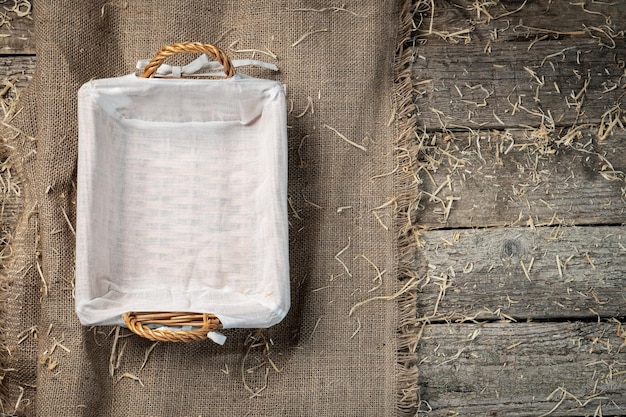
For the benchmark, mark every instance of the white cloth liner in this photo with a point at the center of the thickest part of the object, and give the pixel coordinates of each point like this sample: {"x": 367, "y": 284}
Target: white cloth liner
{"x": 181, "y": 201}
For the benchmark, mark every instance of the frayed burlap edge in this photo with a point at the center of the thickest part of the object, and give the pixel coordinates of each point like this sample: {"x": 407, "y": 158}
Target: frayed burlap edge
{"x": 406, "y": 192}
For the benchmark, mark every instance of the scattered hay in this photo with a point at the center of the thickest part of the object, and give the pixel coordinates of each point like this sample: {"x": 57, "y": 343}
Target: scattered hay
{"x": 13, "y": 10}
{"x": 338, "y": 254}
{"x": 128, "y": 375}
{"x": 409, "y": 286}
{"x": 309, "y": 105}
{"x": 342, "y": 8}
{"x": 356, "y": 145}
{"x": 258, "y": 352}
{"x": 528, "y": 130}
{"x": 378, "y": 279}
{"x": 306, "y": 35}
{"x": 621, "y": 332}
{"x": 10, "y": 206}
{"x": 112, "y": 4}
{"x": 266, "y": 51}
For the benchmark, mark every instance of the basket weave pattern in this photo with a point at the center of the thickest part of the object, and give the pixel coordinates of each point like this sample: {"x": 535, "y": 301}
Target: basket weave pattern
{"x": 203, "y": 324}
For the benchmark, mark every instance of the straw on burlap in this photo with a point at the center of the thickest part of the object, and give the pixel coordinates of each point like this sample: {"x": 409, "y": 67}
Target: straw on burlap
{"x": 320, "y": 361}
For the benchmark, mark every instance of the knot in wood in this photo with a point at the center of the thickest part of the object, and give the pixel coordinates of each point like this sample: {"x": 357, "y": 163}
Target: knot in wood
{"x": 513, "y": 248}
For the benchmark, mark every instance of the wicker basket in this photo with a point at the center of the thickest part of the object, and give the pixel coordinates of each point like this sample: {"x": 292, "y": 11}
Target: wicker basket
{"x": 178, "y": 326}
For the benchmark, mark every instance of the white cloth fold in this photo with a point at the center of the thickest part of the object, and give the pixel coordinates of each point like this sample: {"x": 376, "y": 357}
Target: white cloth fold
{"x": 202, "y": 67}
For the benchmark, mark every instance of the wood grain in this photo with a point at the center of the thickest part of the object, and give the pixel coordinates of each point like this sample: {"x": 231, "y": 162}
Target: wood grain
{"x": 517, "y": 20}
{"x": 500, "y": 93}
{"x": 15, "y": 74}
{"x": 512, "y": 63}
{"x": 556, "y": 82}
{"x": 513, "y": 272}
{"x": 522, "y": 369}
{"x": 18, "y": 68}
{"x": 498, "y": 178}
{"x": 17, "y": 36}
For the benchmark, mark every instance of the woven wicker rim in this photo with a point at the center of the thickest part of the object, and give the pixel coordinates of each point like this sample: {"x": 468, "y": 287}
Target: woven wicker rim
{"x": 202, "y": 323}
{"x": 198, "y": 47}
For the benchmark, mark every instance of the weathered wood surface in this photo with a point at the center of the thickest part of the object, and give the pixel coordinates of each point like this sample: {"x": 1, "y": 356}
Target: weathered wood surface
{"x": 515, "y": 20}
{"x": 497, "y": 178}
{"x": 515, "y": 103}
{"x": 513, "y": 273}
{"x": 558, "y": 82}
{"x": 17, "y": 31}
{"x": 17, "y": 69}
{"x": 523, "y": 369}
{"x": 10, "y": 198}
{"x": 509, "y": 72}
{"x": 15, "y": 73}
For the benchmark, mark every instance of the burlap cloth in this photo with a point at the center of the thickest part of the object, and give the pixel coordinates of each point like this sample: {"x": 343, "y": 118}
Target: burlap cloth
{"x": 348, "y": 220}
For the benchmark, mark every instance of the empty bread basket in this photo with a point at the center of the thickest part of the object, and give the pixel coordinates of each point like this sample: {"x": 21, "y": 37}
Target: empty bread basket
{"x": 181, "y": 201}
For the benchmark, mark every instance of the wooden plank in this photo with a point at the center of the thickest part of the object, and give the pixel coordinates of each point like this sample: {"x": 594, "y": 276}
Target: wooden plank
{"x": 513, "y": 273}
{"x": 500, "y": 178}
{"x": 515, "y": 20}
{"x": 513, "y": 66}
{"x": 19, "y": 70}
{"x": 556, "y": 83}
{"x": 17, "y": 33}
{"x": 10, "y": 206}
{"x": 523, "y": 369}
{"x": 15, "y": 74}
{"x": 11, "y": 200}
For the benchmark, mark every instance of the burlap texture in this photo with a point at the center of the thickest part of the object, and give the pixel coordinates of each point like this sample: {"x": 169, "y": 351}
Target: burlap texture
{"x": 320, "y": 361}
